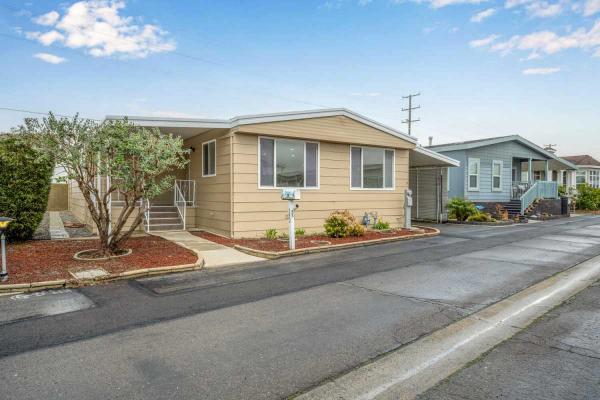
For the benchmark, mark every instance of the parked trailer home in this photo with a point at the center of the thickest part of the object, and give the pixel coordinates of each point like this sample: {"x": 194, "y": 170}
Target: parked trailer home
{"x": 507, "y": 170}
{"x": 339, "y": 159}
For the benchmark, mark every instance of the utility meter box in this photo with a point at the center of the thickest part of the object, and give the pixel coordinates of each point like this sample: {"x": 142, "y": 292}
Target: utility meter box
{"x": 290, "y": 194}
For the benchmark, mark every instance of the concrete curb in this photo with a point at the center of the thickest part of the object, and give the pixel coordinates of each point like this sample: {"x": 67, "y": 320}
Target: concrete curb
{"x": 272, "y": 255}
{"x": 73, "y": 283}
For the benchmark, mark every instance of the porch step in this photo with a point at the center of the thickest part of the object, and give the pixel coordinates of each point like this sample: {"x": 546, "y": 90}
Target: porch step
{"x": 163, "y": 218}
{"x": 165, "y": 227}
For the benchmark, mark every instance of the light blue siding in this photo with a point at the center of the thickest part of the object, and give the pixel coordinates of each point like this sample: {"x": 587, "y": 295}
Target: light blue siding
{"x": 457, "y": 175}
{"x": 505, "y": 152}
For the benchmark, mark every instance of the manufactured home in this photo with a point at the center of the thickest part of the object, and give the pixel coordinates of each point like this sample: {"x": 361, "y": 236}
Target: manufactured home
{"x": 338, "y": 159}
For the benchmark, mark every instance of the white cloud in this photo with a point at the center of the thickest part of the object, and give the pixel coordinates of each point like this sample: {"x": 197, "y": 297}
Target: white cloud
{"x": 548, "y": 43}
{"x": 516, "y": 3}
{"x": 98, "y": 27}
{"x": 50, "y": 58}
{"x": 445, "y": 3}
{"x": 368, "y": 94}
{"x": 543, "y": 9}
{"x": 486, "y": 41}
{"x": 591, "y": 7}
{"x": 540, "y": 71}
{"x": 480, "y": 16}
{"x": 47, "y": 19}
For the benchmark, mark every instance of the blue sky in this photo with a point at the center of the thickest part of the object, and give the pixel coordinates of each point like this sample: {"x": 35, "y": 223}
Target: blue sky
{"x": 484, "y": 68}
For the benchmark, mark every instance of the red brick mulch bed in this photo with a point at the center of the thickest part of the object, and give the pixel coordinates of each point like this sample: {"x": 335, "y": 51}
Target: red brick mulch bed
{"x": 46, "y": 260}
{"x": 302, "y": 242}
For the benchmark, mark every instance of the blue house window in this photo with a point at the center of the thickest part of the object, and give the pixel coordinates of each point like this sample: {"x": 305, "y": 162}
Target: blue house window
{"x": 474, "y": 171}
{"x": 497, "y": 175}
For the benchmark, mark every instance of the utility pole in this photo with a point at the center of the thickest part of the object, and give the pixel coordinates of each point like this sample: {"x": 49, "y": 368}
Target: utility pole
{"x": 409, "y": 120}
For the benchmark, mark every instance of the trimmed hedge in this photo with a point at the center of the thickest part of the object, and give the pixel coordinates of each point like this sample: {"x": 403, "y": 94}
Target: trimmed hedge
{"x": 25, "y": 177}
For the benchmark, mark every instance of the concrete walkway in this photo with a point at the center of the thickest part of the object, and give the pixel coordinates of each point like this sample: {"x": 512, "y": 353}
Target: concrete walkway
{"x": 215, "y": 255}
{"x": 56, "y": 227}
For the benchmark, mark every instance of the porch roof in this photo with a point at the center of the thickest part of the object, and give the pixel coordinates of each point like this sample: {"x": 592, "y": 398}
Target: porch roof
{"x": 188, "y": 127}
{"x": 421, "y": 157}
{"x": 556, "y": 162}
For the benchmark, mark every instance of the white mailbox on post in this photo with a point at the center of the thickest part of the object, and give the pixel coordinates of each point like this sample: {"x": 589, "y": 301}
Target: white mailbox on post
{"x": 291, "y": 195}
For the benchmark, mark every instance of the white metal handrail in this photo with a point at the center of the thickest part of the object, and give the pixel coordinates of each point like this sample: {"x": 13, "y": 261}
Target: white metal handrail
{"x": 146, "y": 204}
{"x": 188, "y": 190}
{"x": 180, "y": 203}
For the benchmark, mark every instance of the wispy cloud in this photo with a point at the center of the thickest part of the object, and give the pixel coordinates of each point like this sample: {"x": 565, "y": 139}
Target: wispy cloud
{"x": 486, "y": 41}
{"x": 543, "y": 9}
{"x": 482, "y": 15}
{"x": 591, "y": 7}
{"x": 98, "y": 27}
{"x": 446, "y": 3}
{"x": 47, "y": 19}
{"x": 541, "y": 71}
{"x": 50, "y": 58}
{"x": 542, "y": 43}
{"x": 368, "y": 94}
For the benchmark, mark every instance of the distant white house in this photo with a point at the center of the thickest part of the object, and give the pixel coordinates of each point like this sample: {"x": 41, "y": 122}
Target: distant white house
{"x": 588, "y": 171}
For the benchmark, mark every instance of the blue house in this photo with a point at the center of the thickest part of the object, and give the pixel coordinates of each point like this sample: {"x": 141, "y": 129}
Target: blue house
{"x": 507, "y": 170}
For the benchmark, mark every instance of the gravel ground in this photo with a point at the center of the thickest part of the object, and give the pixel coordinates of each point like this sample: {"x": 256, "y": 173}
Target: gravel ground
{"x": 67, "y": 216}
{"x": 43, "y": 230}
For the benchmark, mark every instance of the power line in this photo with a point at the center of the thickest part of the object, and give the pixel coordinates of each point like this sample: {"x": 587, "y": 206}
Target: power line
{"x": 20, "y": 110}
{"x": 410, "y": 108}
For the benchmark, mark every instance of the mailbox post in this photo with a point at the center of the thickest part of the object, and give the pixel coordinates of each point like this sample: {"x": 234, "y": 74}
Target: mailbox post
{"x": 291, "y": 195}
{"x": 408, "y": 202}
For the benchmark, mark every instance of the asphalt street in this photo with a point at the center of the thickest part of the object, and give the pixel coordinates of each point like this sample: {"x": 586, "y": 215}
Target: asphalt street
{"x": 272, "y": 329}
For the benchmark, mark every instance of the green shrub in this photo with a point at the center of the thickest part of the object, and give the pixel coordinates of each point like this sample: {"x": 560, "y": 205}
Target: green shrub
{"x": 271, "y": 233}
{"x": 300, "y": 232}
{"x": 562, "y": 190}
{"x": 381, "y": 225}
{"x": 25, "y": 177}
{"x": 480, "y": 217}
{"x": 587, "y": 198}
{"x": 341, "y": 224}
{"x": 461, "y": 209}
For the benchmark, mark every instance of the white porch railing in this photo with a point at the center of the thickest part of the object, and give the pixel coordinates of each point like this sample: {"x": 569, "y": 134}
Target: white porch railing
{"x": 188, "y": 191}
{"x": 539, "y": 190}
{"x": 180, "y": 203}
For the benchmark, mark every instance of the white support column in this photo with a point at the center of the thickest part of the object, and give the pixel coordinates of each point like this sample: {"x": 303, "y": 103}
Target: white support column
{"x": 530, "y": 171}
{"x": 546, "y": 165}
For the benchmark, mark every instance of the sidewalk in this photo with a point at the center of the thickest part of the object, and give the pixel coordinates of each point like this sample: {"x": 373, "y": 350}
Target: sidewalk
{"x": 215, "y": 255}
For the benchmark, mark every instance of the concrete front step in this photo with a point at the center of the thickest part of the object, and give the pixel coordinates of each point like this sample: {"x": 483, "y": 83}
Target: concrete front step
{"x": 165, "y": 227}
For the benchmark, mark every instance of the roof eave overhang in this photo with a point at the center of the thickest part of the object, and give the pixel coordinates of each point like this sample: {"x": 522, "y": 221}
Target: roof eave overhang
{"x": 259, "y": 119}
{"x": 437, "y": 159}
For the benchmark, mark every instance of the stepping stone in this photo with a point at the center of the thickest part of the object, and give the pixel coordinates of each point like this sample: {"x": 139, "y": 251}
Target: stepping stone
{"x": 89, "y": 273}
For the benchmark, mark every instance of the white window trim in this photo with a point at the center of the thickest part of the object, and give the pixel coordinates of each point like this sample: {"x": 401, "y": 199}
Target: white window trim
{"x": 362, "y": 174}
{"x": 501, "y": 164}
{"x": 469, "y": 187}
{"x": 275, "y": 187}
{"x": 202, "y": 166}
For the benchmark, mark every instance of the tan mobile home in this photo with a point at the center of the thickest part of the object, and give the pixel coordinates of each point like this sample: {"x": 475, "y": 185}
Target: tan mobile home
{"x": 340, "y": 160}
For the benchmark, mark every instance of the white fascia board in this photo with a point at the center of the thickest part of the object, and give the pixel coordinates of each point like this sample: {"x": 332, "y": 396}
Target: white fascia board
{"x": 450, "y": 162}
{"x": 172, "y": 122}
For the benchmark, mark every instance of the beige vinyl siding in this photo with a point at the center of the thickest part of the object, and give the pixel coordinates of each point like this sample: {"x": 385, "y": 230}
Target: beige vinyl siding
{"x": 213, "y": 193}
{"x": 256, "y": 210}
{"x": 78, "y": 205}
{"x": 337, "y": 129}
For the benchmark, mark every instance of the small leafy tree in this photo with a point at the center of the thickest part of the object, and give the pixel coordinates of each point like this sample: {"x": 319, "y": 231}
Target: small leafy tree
{"x": 139, "y": 162}
{"x": 25, "y": 175}
{"x": 588, "y": 197}
{"x": 461, "y": 209}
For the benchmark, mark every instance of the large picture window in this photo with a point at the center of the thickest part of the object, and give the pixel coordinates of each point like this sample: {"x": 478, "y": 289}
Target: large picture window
{"x": 288, "y": 163}
{"x": 371, "y": 168}
{"x": 474, "y": 170}
{"x": 209, "y": 158}
{"x": 580, "y": 178}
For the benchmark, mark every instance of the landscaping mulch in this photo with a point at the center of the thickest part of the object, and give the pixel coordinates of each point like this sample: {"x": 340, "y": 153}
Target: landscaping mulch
{"x": 304, "y": 242}
{"x": 35, "y": 260}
